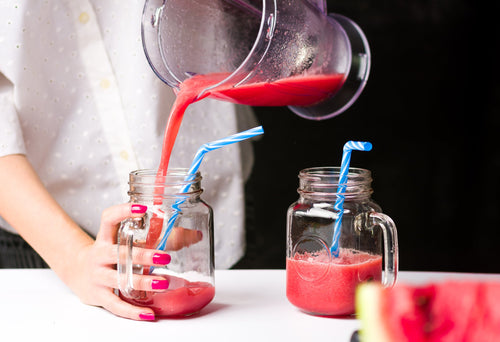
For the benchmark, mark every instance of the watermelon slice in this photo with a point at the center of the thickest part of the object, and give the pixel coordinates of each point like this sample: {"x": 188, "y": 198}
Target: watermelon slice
{"x": 450, "y": 311}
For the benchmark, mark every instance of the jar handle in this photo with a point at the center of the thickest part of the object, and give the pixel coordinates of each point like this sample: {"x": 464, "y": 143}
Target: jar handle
{"x": 125, "y": 264}
{"x": 391, "y": 252}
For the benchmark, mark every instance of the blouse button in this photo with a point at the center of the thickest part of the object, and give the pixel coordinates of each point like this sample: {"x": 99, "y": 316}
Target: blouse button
{"x": 124, "y": 155}
{"x": 105, "y": 84}
{"x": 84, "y": 17}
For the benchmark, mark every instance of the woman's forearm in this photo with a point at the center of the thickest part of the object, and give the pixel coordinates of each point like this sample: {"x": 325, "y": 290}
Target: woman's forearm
{"x": 33, "y": 212}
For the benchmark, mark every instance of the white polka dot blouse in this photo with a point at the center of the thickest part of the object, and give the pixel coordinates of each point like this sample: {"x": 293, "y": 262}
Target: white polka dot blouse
{"x": 79, "y": 99}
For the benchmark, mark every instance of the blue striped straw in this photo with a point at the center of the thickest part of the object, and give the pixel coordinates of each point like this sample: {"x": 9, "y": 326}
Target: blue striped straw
{"x": 214, "y": 145}
{"x": 342, "y": 185}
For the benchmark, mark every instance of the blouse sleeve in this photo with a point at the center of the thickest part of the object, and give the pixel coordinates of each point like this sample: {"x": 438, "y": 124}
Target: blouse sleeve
{"x": 11, "y": 136}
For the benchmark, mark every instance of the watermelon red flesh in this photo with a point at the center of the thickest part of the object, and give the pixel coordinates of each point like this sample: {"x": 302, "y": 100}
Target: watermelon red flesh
{"x": 405, "y": 311}
{"x": 454, "y": 308}
{"x": 488, "y": 327}
{"x": 449, "y": 311}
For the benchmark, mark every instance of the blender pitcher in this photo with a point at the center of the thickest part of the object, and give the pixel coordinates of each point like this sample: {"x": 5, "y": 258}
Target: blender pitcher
{"x": 276, "y": 52}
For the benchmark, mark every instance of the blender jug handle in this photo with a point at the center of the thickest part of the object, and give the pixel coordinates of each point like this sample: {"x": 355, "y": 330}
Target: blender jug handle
{"x": 125, "y": 264}
{"x": 391, "y": 254}
{"x": 150, "y": 40}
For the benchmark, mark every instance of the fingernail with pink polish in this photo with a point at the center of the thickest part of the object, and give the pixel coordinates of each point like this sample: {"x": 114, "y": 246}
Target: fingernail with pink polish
{"x": 138, "y": 209}
{"x": 161, "y": 259}
{"x": 159, "y": 284}
{"x": 147, "y": 316}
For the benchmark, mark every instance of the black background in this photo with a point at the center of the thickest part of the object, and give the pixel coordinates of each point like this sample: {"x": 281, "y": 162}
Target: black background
{"x": 430, "y": 109}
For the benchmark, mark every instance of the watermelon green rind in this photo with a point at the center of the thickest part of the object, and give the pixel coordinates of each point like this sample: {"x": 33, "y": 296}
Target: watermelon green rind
{"x": 368, "y": 308}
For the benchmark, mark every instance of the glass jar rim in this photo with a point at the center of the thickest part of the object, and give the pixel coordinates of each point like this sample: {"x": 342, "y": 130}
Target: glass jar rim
{"x": 174, "y": 176}
{"x": 331, "y": 173}
{"x": 176, "y": 182}
{"x": 324, "y": 182}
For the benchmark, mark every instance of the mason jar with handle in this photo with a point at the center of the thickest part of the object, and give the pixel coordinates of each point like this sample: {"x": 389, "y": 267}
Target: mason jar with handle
{"x": 179, "y": 222}
{"x": 323, "y": 281}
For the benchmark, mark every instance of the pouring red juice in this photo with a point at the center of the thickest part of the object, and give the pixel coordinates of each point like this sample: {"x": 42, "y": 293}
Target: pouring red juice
{"x": 291, "y": 91}
{"x": 190, "y": 297}
{"x": 323, "y": 286}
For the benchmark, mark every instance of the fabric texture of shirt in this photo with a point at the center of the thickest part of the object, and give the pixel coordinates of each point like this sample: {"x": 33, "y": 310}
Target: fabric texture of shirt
{"x": 79, "y": 99}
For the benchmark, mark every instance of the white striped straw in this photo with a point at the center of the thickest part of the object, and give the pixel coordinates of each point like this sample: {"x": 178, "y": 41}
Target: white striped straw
{"x": 342, "y": 185}
{"x": 214, "y": 145}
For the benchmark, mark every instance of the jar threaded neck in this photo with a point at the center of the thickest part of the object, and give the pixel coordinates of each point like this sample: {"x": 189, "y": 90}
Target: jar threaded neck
{"x": 324, "y": 181}
{"x": 177, "y": 182}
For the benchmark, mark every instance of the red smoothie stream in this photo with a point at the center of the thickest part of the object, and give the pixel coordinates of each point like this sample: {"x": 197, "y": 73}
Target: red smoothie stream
{"x": 190, "y": 297}
{"x": 323, "y": 286}
{"x": 291, "y": 91}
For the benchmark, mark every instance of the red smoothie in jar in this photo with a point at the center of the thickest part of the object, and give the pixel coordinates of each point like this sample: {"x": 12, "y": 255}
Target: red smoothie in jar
{"x": 182, "y": 298}
{"x": 319, "y": 285}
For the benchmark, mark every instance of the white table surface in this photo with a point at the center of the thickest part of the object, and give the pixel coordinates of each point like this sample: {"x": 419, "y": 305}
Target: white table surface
{"x": 250, "y": 305}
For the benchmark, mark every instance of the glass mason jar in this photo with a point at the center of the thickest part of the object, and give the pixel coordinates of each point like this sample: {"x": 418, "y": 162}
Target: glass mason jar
{"x": 179, "y": 222}
{"x": 321, "y": 276}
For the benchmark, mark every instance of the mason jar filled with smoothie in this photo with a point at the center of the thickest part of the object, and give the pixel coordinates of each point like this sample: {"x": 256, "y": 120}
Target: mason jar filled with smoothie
{"x": 181, "y": 223}
{"x": 321, "y": 275}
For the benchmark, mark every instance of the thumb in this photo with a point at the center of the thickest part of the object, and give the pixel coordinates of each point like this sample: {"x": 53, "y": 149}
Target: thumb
{"x": 183, "y": 237}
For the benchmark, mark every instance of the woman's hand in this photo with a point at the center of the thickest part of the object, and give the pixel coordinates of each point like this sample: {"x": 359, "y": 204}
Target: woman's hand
{"x": 96, "y": 264}
{"x": 86, "y": 266}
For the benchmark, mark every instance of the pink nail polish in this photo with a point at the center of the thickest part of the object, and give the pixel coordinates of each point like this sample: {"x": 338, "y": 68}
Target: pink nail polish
{"x": 147, "y": 316}
{"x": 159, "y": 284}
{"x": 138, "y": 209}
{"x": 161, "y": 259}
